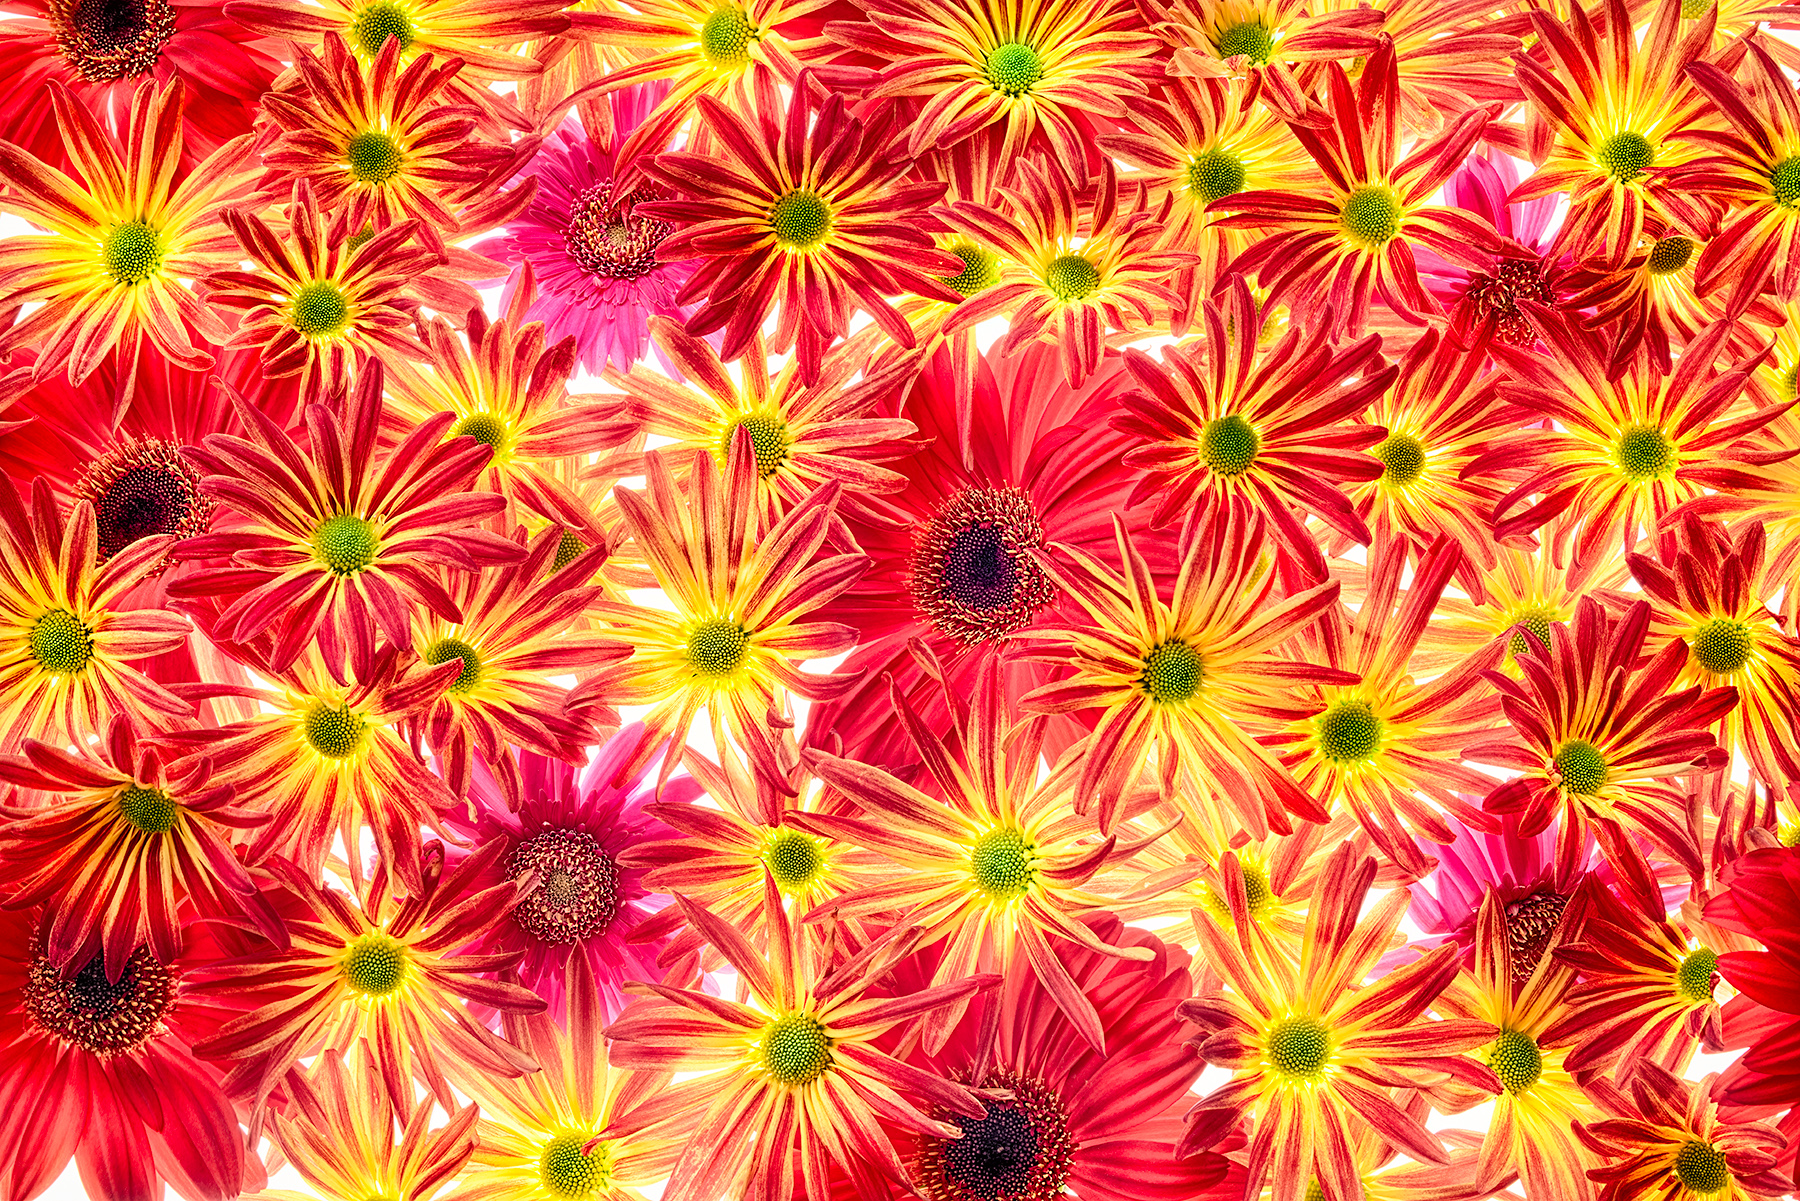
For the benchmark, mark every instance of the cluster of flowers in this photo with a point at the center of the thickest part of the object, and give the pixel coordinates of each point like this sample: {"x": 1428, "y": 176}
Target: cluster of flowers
{"x": 1381, "y": 506}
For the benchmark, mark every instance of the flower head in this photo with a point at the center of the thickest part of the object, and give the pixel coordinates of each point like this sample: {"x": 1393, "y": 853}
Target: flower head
{"x": 1667, "y": 1142}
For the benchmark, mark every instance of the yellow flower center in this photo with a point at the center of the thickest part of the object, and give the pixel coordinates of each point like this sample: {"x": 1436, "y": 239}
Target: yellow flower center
{"x": 320, "y": 310}
{"x": 133, "y": 253}
{"x": 1536, "y": 619}
{"x": 485, "y": 428}
{"x": 795, "y": 1050}
{"x": 981, "y": 269}
{"x": 372, "y": 26}
{"x": 1669, "y": 255}
{"x": 61, "y": 643}
{"x": 1173, "y": 672}
{"x": 1644, "y": 453}
{"x": 446, "y": 649}
{"x": 1349, "y": 732}
{"x": 374, "y": 157}
{"x": 375, "y": 964}
{"x": 148, "y": 810}
{"x": 1694, "y": 978}
{"x": 1014, "y": 69}
{"x": 345, "y": 544}
{"x": 565, "y": 1170}
{"x": 1229, "y": 444}
{"x": 1784, "y": 181}
{"x": 793, "y": 858}
{"x": 1215, "y": 174}
{"x": 1625, "y": 156}
{"x": 1252, "y": 39}
{"x": 1402, "y": 458}
{"x": 1371, "y": 215}
{"x": 1516, "y": 1059}
{"x": 1257, "y": 893}
{"x": 768, "y": 437}
{"x": 1702, "y": 1168}
{"x": 725, "y": 36}
{"x": 1072, "y": 277}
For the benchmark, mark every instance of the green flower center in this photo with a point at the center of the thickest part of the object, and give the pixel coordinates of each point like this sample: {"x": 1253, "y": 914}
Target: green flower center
{"x": 1371, "y": 215}
{"x": 768, "y": 437}
{"x": 455, "y": 648}
{"x": 1581, "y": 766}
{"x": 1784, "y": 181}
{"x": 374, "y": 157}
{"x": 149, "y": 810}
{"x": 1701, "y": 1166}
{"x": 1626, "y": 155}
{"x": 794, "y": 859}
{"x": 1644, "y": 453}
{"x": 565, "y": 1170}
{"x": 1516, "y": 1059}
{"x": 335, "y": 731}
{"x": 1402, "y": 458}
{"x": 1003, "y": 863}
{"x": 567, "y": 547}
{"x": 1536, "y": 620}
{"x": 1298, "y": 1048}
{"x": 485, "y": 428}
{"x": 1693, "y": 10}
{"x": 1252, "y": 39}
{"x": 61, "y": 642}
{"x": 1722, "y": 645}
{"x": 718, "y": 647}
{"x": 1349, "y": 732}
{"x": 796, "y": 1050}
{"x": 725, "y": 36}
{"x": 800, "y": 219}
{"x": 1072, "y": 277}
{"x": 371, "y": 27}
{"x": 981, "y": 269}
{"x": 1670, "y": 254}
{"x": 1229, "y": 444}
{"x": 1694, "y": 978}
{"x": 1215, "y": 174}
{"x": 320, "y": 310}
{"x": 345, "y": 543}
{"x": 1172, "y": 672}
{"x": 376, "y": 964}
{"x": 1014, "y": 69}
{"x": 132, "y": 252}
{"x": 1257, "y": 893}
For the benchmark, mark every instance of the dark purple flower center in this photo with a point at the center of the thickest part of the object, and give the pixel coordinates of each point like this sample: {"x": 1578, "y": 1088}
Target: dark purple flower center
{"x": 1020, "y": 1150}
{"x": 101, "y": 1016}
{"x": 104, "y": 40}
{"x": 972, "y": 571}
{"x": 1530, "y": 925}
{"x": 578, "y": 886}
{"x": 142, "y": 488}
{"x": 608, "y": 238}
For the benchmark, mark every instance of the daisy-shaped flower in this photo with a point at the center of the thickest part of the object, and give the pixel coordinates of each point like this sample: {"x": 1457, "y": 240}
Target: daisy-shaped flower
{"x": 1650, "y": 299}
{"x": 807, "y": 211}
{"x": 1452, "y": 55}
{"x": 1598, "y": 736}
{"x": 1338, "y": 251}
{"x": 786, "y": 1078}
{"x": 1271, "y": 42}
{"x": 108, "y": 270}
{"x": 391, "y": 970}
{"x": 1314, "y": 1051}
{"x": 1518, "y": 600}
{"x": 1275, "y": 425}
{"x": 736, "y": 632}
{"x": 1074, "y": 265}
{"x": 1186, "y": 681}
{"x": 1667, "y": 1142}
{"x": 337, "y": 541}
{"x": 66, "y": 631}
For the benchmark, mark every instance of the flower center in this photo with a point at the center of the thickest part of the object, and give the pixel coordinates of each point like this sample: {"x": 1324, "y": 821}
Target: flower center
{"x": 446, "y": 649}
{"x": 718, "y": 647}
{"x": 795, "y": 1049}
{"x": 608, "y": 238}
{"x": 1371, "y": 215}
{"x": 319, "y": 310}
{"x": 485, "y": 428}
{"x": 567, "y": 1171}
{"x": 981, "y": 269}
{"x": 334, "y": 731}
{"x": 1014, "y": 69}
{"x": 1626, "y": 155}
{"x": 1298, "y": 1048}
{"x": 1229, "y": 444}
{"x": 345, "y": 544}
{"x": 100, "y": 1016}
{"x": 1251, "y": 39}
{"x": 1701, "y": 1167}
{"x": 1581, "y": 766}
{"x": 567, "y": 547}
{"x": 144, "y": 487}
{"x": 1257, "y": 893}
{"x": 61, "y": 643}
{"x": 1694, "y": 978}
{"x": 1722, "y": 645}
{"x": 1784, "y": 181}
{"x": 375, "y": 964}
{"x": 1670, "y": 254}
{"x": 1516, "y": 1059}
{"x": 725, "y": 36}
{"x": 794, "y": 859}
{"x": 1072, "y": 277}
{"x": 1644, "y": 453}
{"x": 148, "y": 810}
{"x": 1349, "y": 732}
{"x": 1003, "y": 863}
{"x": 133, "y": 253}
{"x": 1019, "y": 1150}
{"x": 1497, "y": 298}
{"x": 1402, "y": 459}
{"x": 374, "y": 157}
{"x": 1215, "y": 174}
{"x": 1536, "y": 619}
{"x": 1172, "y": 672}
{"x": 1530, "y": 925}
{"x": 1693, "y": 10}
{"x": 578, "y": 886}
{"x": 800, "y": 219}
{"x": 972, "y": 573}
{"x": 104, "y": 40}
{"x": 372, "y": 26}
{"x": 768, "y": 437}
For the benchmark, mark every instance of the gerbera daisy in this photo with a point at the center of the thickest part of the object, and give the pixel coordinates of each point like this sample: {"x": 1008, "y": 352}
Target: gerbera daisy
{"x": 119, "y": 241}
{"x": 67, "y": 633}
{"x": 1186, "y": 682}
{"x": 1668, "y": 1143}
{"x": 1314, "y": 1051}
{"x": 807, "y": 211}
{"x": 787, "y": 1077}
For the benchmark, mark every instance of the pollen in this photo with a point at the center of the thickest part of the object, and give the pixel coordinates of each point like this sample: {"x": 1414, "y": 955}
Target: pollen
{"x": 1072, "y": 277}
{"x": 794, "y": 859}
{"x": 566, "y": 1170}
{"x": 1694, "y": 979}
{"x": 718, "y": 647}
{"x": 1722, "y": 645}
{"x": 1644, "y": 453}
{"x": 148, "y": 810}
{"x": 800, "y": 219}
{"x": 375, "y": 964}
{"x": 1784, "y": 181}
{"x": 1229, "y": 444}
{"x": 1349, "y": 732}
{"x": 1625, "y": 156}
{"x": 103, "y": 1017}
{"x": 607, "y": 236}
{"x": 1173, "y": 672}
{"x": 1252, "y": 39}
{"x": 132, "y": 253}
{"x": 1215, "y": 174}
{"x": 61, "y": 643}
{"x": 1516, "y": 1059}
{"x": 725, "y": 36}
{"x": 795, "y": 1050}
{"x": 972, "y": 572}
{"x": 981, "y": 269}
{"x": 1402, "y": 459}
{"x": 374, "y": 157}
{"x": 1020, "y": 1149}
{"x": 1581, "y": 766}
{"x": 1371, "y": 215}
{"x": 1003, "y": 863}
{"x": 143, "y": 487}
{"x": 577, "y": 895}
{"x": 446, "y": 649}
{"x": 320, "y": 310}
{"x": 335, "y": 731}
{"x": 485, "y": 428}
{"x": 345, "y": 544}
{"x": 768, "y": 437}
{"x": 1299, "y": 1048}
{"x": 1669, "y": 255}
{"x": 372, "y": 26}
{"x": 106, "y": 40}
{"x": 1014, "y": 69}
{"x": 1702, "y": 1168}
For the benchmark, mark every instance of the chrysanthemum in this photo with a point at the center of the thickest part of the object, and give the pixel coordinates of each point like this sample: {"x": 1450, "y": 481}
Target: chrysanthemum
{"x": 1276, "y": 425}
{"x": 1598, "y": 736}
{"x": 1529, "y": 588}
{"x": 786, "y": 1078}
{"x": 1270, "y": 41}
{"x": 65, "y": 629}
{"x": 391, "y": 970}
{"x": 1046, "y": 70}
{"x": 1452, "y": 55}
{"x": 1314, "y": 1051}
{"x": 1650, "y": 299}
{"x": 1075, "y": 265}
{"x": 806, "y": 211}
{"x": 119, "y": 241}
{"x": 1668, "y": 1143}
{"x": 335, "y": 542}
{"x": 1185, "y": 682}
